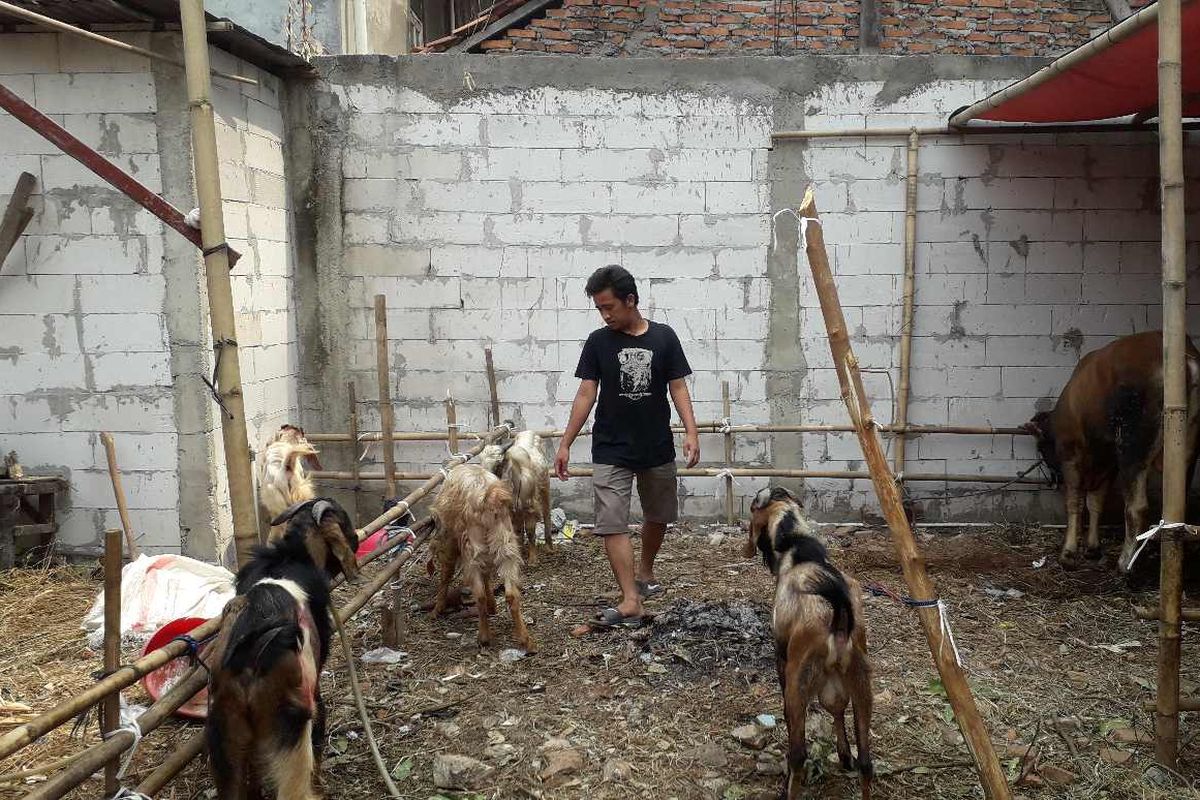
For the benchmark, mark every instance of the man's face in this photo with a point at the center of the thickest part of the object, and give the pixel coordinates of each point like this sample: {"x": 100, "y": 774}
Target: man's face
{"x": 617, "y": 314}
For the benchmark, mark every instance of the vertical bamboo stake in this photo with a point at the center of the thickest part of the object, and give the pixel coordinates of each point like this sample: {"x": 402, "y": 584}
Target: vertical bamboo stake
{"x": 386, "y": 412}
{"x": 216, "y": 270}
{"x": 451, "y": 424}
{"x": 1174, "y": 287}
{"x": 910, "y": 280}
{"x": 114, "y": 472}
{"x": 352, "y": 397}
{"x": 491, "y": 379}
{"x": 912, "y": 563}
{"x": 725, "y": 410}
{"x": 111, "y": 715}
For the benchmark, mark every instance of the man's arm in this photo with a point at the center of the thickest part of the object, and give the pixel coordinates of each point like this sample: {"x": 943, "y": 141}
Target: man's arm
{"x": 585, "y": 398}
{"x": 682, "y": 399}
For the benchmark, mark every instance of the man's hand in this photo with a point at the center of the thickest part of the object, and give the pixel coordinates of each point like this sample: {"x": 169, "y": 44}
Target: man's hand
{"x": 561, "y": 459}
{"x": 691, "y": 449}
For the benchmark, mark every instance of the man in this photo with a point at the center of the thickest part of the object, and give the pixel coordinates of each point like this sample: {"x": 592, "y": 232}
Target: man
{"x": 633, "y": 363}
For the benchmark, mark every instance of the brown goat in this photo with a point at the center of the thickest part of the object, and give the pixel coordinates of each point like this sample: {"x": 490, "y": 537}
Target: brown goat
{"x": 523, "y": 466}
{"x": 266, "y": 719}
{"x": 820, "y": 634}
{"x": 282, "y": 473}
{"x": 473, "y": 514}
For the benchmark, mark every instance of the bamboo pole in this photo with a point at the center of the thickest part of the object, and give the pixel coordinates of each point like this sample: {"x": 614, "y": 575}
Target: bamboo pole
{"x": 386, "y": 412}
{"x": 492, "y": 391}
{"x": 737, "y": 472}
{"x": 100, "y": 754}
{"x": 704, "y": 427}
{"x": 726, "y": 410}
{"x": 172, "y": 765}
{"x": 899, "y": 444}
{"x": 114, "y": 473}
{"x": 216, "y": 270}
{"x": 1151, "y": 613}
{"x": 352, "y": 398}
{"x": 110, "y": 716}
{"x": 62, "y": 27}
{"x": 1175, "y": 401}
{"x": 912, "y": 563}
{"x": 451, "y": 424}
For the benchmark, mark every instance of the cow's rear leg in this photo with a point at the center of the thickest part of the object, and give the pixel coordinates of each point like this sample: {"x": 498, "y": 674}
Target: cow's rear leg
{"x": 1136, "y": 504}
{"x": 1095, "y": 509}
{"x": 1070, "y": 551}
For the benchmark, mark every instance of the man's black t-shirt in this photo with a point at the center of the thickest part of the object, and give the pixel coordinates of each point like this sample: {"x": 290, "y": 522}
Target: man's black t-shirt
{"x": 633, "y": 416}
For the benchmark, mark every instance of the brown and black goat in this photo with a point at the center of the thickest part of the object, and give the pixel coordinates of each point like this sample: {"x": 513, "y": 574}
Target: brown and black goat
{"x": 820, "y": 634}
{"x": 473, "y": 514}
{"x": 266, "y": 719}
{"x": 522, "y": 464}
{"x": 283, "y": 477}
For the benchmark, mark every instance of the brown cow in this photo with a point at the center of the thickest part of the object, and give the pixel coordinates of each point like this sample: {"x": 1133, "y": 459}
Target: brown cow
{"x": 1107, "y": 426}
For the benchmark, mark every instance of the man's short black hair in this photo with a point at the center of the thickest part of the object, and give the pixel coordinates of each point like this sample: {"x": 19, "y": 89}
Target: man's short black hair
{"x": 614, "y": 277}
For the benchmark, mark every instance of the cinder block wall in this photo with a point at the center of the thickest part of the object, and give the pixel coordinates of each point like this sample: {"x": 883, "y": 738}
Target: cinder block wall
{"x": 479, "y": 212}
{"x": 104, "y": 310}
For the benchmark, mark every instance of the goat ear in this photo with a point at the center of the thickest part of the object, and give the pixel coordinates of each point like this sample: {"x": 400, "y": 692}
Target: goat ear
{"x": 336, "y": 540}
{"x": 290, "y": 512}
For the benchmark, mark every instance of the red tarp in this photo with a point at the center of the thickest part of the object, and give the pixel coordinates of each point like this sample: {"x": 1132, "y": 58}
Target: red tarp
{"x": 1118, "y": 81}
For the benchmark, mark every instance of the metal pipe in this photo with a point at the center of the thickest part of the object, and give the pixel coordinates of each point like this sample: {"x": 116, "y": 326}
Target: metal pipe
{"x": 989, "y": 129}
{"x": 712, "y": 472}
{"x": 62, "y": 27}
{"x": 1117, "y": 33}
{"x": 704, "y": 427}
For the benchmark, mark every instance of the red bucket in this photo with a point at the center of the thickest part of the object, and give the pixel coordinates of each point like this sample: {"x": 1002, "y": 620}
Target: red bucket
{"x": 160, "y": 680}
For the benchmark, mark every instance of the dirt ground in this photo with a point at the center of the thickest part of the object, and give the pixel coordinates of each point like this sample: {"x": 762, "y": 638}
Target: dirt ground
{"x": 1059, "y": 666}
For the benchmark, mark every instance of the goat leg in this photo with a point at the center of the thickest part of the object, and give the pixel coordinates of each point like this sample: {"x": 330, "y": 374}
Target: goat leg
{"x": 483, "y": 599}
{"x": 520, "y": 632}
{"x": 795, "y": 708}
{"x": 547, "y": 528}
{"x": 862, "y": 700}
{"x": 842, "y": 743}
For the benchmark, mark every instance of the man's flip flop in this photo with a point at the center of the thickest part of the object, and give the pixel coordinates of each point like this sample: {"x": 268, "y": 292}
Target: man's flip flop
{"x": 649, "y": 589}
{"x": 612, "y": 618}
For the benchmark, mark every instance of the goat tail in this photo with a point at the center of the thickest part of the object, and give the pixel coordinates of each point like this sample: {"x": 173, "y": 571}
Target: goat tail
{"x": 524, "y": 478}
{"x": 831, "y": 586}
{"x": 504, "y": 550}
{"x": 294, "y": 460}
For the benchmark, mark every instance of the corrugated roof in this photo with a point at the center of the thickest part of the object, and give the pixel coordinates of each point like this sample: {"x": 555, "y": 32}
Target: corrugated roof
{"x": 238, "y": 41}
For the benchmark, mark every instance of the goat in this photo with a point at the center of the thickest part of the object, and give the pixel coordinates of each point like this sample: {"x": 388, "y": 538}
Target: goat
{"x": 523, "y": 465}
{"x": 473, "y": 515}
{"x": 820, "y": 637}
{"x": 266, "y": 718}
{"x": 282, "y": 477}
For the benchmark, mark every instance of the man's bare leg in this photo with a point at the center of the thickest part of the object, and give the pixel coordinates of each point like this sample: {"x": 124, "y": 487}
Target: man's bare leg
{"x": 652, "y": 539}
{"x": 620, "y": 557}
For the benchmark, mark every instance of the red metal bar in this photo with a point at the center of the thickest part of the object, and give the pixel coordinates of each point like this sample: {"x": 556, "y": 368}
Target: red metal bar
{"x": 121, "y": 181}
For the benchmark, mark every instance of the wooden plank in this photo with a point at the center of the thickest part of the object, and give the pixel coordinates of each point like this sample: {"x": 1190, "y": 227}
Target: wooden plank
{"x": 17, "y": 214}
{"x": 40, "y": 529}
{"x": 514, "y": 17}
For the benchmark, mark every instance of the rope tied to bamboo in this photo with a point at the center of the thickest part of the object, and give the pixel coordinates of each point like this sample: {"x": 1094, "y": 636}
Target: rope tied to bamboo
{"x": 804, "y": 222}
{"x": 879, "y": 590}
{"x": 1148, "y": 536}
{"x": 724, "y": 426}
{"x": 128, "y": 726}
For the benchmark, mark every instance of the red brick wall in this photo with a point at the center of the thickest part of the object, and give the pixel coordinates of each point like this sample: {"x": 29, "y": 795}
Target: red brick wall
{"x": 708, "y": 27}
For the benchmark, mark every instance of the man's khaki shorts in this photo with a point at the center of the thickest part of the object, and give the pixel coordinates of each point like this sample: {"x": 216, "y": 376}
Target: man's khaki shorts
{"x": 613, "y": 487}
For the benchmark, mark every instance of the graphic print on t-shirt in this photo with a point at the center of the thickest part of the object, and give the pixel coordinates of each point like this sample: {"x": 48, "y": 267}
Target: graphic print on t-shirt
{"x": 635, "y": 371}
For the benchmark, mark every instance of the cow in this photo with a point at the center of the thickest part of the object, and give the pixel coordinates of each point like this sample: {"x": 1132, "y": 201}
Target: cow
{"x": 1107, "y": 427}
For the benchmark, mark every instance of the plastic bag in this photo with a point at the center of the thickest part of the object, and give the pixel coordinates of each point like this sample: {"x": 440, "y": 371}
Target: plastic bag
{"x": 158, "y": 589}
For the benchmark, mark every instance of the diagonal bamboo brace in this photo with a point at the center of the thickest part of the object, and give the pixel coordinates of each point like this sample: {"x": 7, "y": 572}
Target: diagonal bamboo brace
{"x": 912, "y": 564}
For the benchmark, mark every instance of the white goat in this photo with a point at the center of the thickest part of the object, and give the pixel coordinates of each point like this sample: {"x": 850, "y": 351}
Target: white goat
{"x": 524, "y": 467}
{"x": 282, "y": 476}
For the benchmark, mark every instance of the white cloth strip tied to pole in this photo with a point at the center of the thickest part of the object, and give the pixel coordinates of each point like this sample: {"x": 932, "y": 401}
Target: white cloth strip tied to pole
{"x": 727, "y": 475}
{"x": 724, "y": 425}
{"x": 804, "y": 223}
{"x": 943, "y": 623}
{"x": 366, "y": 450}
{"x": 1146, "y": 537}
{"x": 125, "y": 793}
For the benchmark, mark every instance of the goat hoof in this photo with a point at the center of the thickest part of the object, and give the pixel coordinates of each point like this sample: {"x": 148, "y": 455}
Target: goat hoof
{"x": 848, "y": 763}
{"x": 1094, "y": 554}
{"x": 1069, "y": 559}
{"x": 528, "y": 645}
